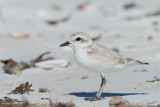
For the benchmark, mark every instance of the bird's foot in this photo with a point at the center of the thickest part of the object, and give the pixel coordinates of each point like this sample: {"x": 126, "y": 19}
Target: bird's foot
{"x": 93, "y": 99}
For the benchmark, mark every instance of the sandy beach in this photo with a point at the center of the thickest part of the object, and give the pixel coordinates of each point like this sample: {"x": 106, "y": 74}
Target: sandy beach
{"x": 131, "y": 27}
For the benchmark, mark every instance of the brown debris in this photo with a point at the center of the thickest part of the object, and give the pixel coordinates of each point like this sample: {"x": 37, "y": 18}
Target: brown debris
{"x": 54, "y": 22}
{"x": 43, "y": 90}
{"x": 13, "y": 67}
{"x": 6, "y": 100}
{"x": 155, "y": 13}
{"x": 150, "y": 37}
{"x": 9, "y": 61}
{"x": 21, "y": 89}
{"x": 154, "y": 80}
{"x": 44, "y": 98}
{"x": 83, "y": 5}
{"x": 84, "y": 77}
{"x": 24, "y": 105}
{"x": 129, "y": 5}
{"x": 118, "y": 101}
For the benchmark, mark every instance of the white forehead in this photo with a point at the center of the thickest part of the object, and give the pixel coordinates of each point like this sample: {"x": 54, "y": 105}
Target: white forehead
{"x": 79, "y": 34}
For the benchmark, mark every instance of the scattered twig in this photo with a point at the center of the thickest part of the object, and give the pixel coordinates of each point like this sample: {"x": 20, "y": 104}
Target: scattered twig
{"x": 155, "y": 79}
{"x": 40, "y": 58}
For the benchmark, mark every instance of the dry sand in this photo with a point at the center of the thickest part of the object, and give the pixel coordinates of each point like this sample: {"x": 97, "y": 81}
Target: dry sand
{"x": 134, "y": 30}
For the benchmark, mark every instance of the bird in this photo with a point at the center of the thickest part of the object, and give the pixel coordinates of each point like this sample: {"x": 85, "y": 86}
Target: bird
{"x": 92, "y": 56}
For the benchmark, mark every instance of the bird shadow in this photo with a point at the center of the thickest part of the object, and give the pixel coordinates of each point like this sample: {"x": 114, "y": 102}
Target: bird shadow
{"x": 93, "y": 94}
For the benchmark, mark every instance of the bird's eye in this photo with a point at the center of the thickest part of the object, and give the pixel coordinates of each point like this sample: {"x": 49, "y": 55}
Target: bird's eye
{"x": 78, "y": 39}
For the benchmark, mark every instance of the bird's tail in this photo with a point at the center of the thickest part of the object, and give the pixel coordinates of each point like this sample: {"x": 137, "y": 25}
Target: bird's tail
{"x": 137, "y": 61}
{"x": 141, "y": 62}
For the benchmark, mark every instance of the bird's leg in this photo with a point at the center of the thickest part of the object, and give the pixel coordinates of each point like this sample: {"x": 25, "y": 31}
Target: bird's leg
{"x": 103, "y": 83}
{"x": 98, "y": 95}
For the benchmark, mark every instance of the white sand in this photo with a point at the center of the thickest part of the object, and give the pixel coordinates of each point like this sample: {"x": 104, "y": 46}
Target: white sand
{"x": 106, "y": 17}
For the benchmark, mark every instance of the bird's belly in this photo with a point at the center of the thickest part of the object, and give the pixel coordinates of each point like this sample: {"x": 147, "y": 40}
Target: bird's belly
{"x": 95, "y": 65}
{"x": 88, "y": 64}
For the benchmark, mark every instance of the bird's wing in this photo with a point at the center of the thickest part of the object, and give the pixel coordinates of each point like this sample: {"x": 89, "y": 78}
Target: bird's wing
{"x": 105, "y": 54}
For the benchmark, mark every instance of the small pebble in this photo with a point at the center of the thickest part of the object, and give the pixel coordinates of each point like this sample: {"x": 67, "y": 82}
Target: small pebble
{"x": 19, "y": 35}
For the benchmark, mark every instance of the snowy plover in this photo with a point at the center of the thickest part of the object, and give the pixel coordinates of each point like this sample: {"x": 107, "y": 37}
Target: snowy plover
{"x": 95, "y": 57}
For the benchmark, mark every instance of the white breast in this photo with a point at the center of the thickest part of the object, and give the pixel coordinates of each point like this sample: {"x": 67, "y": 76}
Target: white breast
{"x": 90, "y": 63}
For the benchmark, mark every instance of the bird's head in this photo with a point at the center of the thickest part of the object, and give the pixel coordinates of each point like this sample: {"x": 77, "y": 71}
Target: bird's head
{"x": 78, "y": 40}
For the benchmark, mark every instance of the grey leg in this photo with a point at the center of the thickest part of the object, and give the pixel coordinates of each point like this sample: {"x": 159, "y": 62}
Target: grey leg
{"x": 98, "y": 95}
{"x": 103, "y": 83}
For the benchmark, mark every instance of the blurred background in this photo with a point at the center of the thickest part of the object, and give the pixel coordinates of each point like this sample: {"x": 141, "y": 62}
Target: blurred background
{"x": 29, "y": 27}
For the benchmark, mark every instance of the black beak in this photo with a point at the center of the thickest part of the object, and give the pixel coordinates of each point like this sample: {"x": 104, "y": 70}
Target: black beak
{"x": 65, "y": 44}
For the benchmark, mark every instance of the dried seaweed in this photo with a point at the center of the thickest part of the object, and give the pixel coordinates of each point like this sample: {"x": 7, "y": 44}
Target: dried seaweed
{"x": 13, "y": 67}
{"x": 22, "y": 89}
